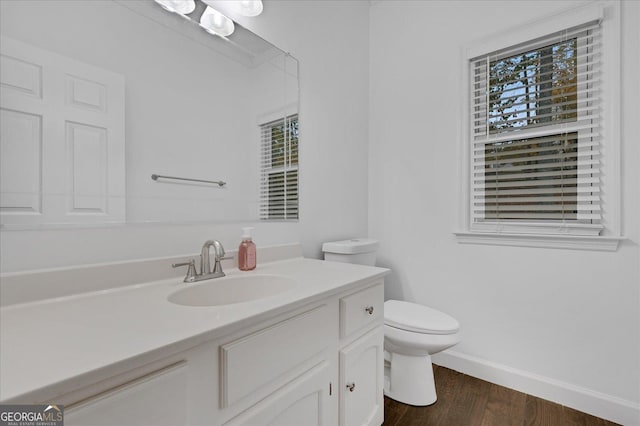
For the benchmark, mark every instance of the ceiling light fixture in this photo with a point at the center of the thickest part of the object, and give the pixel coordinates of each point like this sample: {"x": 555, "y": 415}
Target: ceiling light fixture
{"x": 181, "y": 7}
{"x": 249, "y": 7}
{"x": 216, "y": 23}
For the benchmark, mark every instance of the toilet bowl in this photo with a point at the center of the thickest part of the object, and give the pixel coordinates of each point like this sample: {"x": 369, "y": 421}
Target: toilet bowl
{"x": 412, "y": 333}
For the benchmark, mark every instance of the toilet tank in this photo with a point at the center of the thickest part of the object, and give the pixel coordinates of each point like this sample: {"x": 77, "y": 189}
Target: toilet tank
{"x": 357, "y": 250}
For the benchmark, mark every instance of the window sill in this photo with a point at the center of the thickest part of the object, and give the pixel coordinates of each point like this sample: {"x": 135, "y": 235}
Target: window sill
{"x": 597, "y": 243}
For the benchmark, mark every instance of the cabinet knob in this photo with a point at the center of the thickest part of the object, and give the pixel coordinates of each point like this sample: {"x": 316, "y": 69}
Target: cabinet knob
{"x": 351, "y": 386}
{"x": 369, "y": 309}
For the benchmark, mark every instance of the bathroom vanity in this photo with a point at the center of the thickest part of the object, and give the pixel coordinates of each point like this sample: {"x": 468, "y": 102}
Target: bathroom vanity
{"x": 308, "y": 354}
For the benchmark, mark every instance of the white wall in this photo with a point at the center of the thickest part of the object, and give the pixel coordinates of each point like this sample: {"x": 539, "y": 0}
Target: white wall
{"x": 331, "y": 42}
{"x": 571, "y": 318}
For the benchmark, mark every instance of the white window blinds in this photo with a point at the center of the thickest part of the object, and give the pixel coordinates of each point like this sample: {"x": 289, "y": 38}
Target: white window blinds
{"x": 535, "y": 117}
{"x": 279, "y": 169}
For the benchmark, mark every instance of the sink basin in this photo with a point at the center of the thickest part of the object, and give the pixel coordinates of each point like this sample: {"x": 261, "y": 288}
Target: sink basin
{"x": 229, "y": 290}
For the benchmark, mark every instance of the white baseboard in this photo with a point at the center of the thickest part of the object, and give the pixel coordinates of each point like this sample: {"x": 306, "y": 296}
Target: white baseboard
{"x": 595, "y": 403}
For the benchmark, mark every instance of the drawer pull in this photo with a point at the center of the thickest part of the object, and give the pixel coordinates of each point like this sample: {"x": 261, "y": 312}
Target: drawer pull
{"x": 369, "y": 309}
{"x": 351, "y": 386}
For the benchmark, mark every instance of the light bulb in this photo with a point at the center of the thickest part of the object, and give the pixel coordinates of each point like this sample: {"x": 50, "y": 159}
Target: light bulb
{"x": 249, "y": 7}
{"x": 218, "y": 21}
{"x": 215, "y": 22}
{"x": 182, "y": 7}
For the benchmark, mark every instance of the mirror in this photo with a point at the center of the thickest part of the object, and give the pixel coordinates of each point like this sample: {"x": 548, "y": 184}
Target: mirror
{"x": 98, "y": 96}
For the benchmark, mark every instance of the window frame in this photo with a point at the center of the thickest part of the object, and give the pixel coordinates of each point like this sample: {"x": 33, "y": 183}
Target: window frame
{"x": 541, "y": 234}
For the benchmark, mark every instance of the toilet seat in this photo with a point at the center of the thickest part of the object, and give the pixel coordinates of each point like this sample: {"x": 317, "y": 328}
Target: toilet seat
{"x": 418, "y": 318}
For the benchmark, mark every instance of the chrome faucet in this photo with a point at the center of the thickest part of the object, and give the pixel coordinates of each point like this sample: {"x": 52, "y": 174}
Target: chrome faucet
{"x": 219, "y": 255}
{"x": 205, "y": 255}
{"x": 206, "y": 273}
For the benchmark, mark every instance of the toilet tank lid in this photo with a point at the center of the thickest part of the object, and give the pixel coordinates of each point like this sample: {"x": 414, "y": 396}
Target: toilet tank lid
{"x": 418, "y": 318}
{"x": 352, "y": 246}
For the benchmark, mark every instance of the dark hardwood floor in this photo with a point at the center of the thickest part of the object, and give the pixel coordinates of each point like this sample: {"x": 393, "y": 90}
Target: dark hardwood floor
{"x": 464, "y": 400}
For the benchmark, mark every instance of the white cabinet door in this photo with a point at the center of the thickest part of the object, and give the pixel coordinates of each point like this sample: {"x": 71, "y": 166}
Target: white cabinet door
{"x": 303, "y": 402}
{"x": 255, "y": 363}
{"x": 159, "y": 399}
{"x": 361, "y": 380}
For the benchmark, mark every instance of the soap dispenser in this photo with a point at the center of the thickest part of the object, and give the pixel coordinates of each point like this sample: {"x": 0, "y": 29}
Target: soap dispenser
{"x": 247, "y": 252}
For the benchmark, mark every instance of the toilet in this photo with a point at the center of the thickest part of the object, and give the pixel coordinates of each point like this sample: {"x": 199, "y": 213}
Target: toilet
{"x": 412, "y": 332}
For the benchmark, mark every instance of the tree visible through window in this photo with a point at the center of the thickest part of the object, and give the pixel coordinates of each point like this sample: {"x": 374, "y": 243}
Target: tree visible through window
{"x": 533, "y": 88}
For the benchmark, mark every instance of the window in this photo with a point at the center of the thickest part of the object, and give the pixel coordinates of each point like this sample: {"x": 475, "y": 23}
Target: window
{"x": 536, "y": 131}
{"x": 279, "y": 169}
{"x": 541, "y": 143}
{"x": 535, "y": 120}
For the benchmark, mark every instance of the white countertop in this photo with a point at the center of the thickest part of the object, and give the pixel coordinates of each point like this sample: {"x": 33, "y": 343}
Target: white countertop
{"x": 45, "y": 343}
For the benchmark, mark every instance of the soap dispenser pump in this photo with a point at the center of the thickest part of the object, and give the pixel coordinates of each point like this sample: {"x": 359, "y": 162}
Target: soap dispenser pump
{"x": 247, "y": 252}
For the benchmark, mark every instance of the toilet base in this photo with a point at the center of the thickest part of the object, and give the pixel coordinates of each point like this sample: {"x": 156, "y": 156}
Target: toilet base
{"x": 409, "y": 379}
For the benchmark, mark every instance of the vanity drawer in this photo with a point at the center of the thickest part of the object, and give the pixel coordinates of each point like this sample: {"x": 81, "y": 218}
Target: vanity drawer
{"x": 361, "y": 309}
{"x": 261, "y": 359}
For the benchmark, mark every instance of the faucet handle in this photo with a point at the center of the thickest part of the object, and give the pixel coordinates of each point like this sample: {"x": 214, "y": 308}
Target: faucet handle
{"x": 191, "y": 271}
